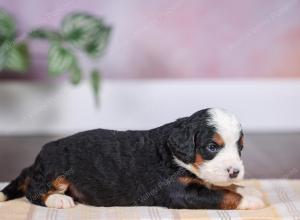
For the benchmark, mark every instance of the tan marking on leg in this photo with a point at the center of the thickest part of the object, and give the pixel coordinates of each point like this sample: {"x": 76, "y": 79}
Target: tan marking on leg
{"x": 190, "y": 180}
{"x": 23, "y": 187}
{"x": 61, "y": 184}
{"x": 231, "y": 200}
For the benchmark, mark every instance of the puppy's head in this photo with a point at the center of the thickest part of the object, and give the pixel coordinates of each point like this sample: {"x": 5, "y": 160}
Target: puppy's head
{"x": 209, "y": 144}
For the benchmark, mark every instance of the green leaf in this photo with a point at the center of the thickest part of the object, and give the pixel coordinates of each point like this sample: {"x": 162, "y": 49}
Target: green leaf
{"x": 60, "y": 59}
{"x": 7, "y": 25}
{"x": 75, "y": 74}
{"x": 78, "y": 28}
{"x": 95, "y": 83}
{"x": 18, "y": 58}
{"x": 96, "y": 48}
{"x": 4, "y": 50}
{"x": 45, "y": 34}
{"x": 86, "y": 32}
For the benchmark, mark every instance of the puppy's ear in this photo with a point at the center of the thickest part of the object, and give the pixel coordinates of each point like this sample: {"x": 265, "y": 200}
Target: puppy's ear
{"x": 182, "y": 144}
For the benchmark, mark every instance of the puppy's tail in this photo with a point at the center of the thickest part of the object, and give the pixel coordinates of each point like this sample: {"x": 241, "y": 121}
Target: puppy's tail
{"x": 17, "y": 187}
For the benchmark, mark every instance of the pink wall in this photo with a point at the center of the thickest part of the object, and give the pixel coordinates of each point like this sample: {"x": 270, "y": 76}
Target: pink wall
{"x": 183, "y": 38}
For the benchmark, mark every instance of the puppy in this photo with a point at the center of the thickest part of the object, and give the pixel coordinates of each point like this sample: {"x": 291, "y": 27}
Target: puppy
{"x": 191, "y": 163}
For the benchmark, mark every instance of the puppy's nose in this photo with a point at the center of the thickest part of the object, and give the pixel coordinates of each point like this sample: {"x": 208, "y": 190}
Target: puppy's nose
{"x": 233, "y": 172}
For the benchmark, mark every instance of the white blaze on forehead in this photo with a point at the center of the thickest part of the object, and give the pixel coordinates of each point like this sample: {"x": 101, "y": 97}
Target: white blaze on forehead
{"x": 226, "y": 124}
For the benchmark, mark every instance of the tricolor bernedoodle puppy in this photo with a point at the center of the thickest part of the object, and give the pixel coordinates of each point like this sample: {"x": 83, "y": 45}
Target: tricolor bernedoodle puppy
{"x": 192, "y": 163}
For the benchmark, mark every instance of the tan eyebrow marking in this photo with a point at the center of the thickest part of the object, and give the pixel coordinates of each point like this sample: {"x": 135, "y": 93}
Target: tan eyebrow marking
{"x": 241, "y": 140}
{"x": 218, "y": 139}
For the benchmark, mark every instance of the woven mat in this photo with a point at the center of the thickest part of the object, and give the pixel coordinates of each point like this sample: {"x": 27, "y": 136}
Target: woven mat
{"x": 282, "y": 197}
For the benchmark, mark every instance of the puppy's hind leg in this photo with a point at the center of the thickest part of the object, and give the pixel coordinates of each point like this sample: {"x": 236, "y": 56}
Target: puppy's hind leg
{"x": 58, "y": 199}
{"x": 49, "y": 194}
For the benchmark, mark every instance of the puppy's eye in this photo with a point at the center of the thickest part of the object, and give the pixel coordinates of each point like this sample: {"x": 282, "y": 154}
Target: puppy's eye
{"x": 212, "y": 147}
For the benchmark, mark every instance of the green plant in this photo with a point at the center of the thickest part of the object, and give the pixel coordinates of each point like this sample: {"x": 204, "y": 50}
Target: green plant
{"x": 78, "y": 32}
{"x": 14, "y": 55}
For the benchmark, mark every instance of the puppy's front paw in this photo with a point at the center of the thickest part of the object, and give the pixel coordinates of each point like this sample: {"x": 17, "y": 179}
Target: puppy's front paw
{"x": 59, "y": 201}
{"x": 251, "y": 198}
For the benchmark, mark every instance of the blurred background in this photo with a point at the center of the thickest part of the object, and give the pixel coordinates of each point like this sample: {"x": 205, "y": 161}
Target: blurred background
{"x": 155, "y": 61}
